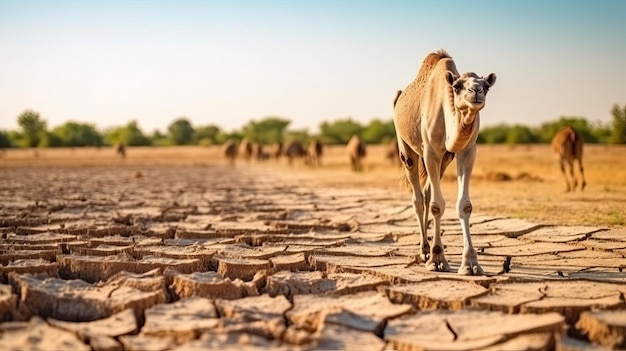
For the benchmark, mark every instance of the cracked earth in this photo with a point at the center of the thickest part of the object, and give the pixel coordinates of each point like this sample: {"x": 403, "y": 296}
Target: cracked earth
{"x": 192, "y": 257}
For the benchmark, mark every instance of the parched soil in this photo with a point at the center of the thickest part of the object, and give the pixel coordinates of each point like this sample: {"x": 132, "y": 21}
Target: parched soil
{"x": 174, "y": 249}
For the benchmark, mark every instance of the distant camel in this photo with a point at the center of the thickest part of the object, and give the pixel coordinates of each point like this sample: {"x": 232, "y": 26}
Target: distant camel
{"x": 392, "y": 152}
{"x": 356, "y": 150}
{"x": 568, "y": 146}
{"x": 276, "y": 150}
{"x": 293, "y": 149}
{"x": 230, "y": 150}
{"x": 120, "y": 150}
{"x": 245, "y": 149}
{"x": 259, "y": 152}
{"x": 314, "y": 153}
{"x": 436, "y": 118}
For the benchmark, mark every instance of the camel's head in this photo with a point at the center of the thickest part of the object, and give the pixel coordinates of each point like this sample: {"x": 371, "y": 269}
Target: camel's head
{"x": 470, "y": 90}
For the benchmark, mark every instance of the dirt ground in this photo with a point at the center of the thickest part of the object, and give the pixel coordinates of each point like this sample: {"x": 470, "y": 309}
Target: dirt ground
{"x": 519, "y": 182}
{"x": 174, "y": 249}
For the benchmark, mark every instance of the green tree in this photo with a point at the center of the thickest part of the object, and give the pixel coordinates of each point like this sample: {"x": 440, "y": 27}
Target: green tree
{"x": 547, "y": 130}
{"x": 181, "y": 132}
{"x": 78, "y": 134}
{"x": 618, "y": 130}
{"x": 266, "y": 131}
{"x": 209, "y": 135}
{"x": 602, "y": 131}
{"x": 519, "y": 134}
{"x": 50, "y": 139}
{"x": 130, "y": 135}
{"x": 33, "y": 127}
{"x": 157, "y": 138}
{"x": 17, "y": 139}
{"x": 378, "y": 132}
{"x": 5, "y": 140}
{"x": 301, "y": 135}
{"x": 494, "y": 134}
{"x": 340, "y": 131}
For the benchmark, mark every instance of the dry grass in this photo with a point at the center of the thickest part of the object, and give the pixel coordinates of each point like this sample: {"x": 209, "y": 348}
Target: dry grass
{"x": 534, "y": 189}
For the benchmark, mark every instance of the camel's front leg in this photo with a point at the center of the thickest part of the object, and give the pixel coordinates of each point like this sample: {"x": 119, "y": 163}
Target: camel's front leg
{"x": 437, "y": 260}
{"x": 465, "y": 164}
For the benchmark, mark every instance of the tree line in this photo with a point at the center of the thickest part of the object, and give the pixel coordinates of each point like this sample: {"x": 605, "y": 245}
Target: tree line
{"x": 34, "y": 132}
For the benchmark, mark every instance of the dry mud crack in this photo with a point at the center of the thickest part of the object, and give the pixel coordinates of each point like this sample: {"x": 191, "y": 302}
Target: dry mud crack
{"x": 215, "y": 257}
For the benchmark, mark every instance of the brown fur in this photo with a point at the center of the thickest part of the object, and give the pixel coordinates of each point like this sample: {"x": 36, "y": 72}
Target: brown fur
{"x": 415, "y": 91}
{"x": 568, "y": 146}
{"x": 259, "y": 152}
{"x": 314, "y": 153}
{"x": 276, "y": 150}
{"x": 392, "y": 153}
{"x": 246, "y": 149}
{"x": 356, "y": 150}
{"x": 293, "y": 149}
{"x": 120, "y": 150}
{"x": 436, "y": 117}
{"x": 229, "y": 150}
{"x": 397, "y": 96}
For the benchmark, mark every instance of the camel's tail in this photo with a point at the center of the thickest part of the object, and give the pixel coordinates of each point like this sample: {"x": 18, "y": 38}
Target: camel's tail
{"x": 403, "y": 182}
{"x": 423, "y": 176}
{"x": 397, "y": 96}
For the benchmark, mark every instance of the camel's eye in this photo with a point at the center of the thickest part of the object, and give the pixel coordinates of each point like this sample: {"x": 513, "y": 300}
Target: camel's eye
{"x": 457, "y": 87}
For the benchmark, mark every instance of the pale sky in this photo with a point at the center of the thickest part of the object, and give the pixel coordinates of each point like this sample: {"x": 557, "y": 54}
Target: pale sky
{"x": 227, "y": 62}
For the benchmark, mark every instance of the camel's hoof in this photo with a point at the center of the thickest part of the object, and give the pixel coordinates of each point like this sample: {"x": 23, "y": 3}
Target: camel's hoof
{"x": 437, "y": 263}
{"x": 472, "y": 268}
{"x": 425, "y": 253}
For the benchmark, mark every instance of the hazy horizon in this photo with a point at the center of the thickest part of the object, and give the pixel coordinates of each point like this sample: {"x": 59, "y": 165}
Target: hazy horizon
{"x": 229, "y": 62}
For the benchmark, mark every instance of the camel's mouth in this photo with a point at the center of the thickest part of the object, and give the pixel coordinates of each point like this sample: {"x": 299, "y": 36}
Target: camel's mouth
{"x": 476, "y": 102}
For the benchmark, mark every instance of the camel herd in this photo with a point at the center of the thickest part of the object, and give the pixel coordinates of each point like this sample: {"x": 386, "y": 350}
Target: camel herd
{"x": 436, "y": 119}
{"x": 292, "y": 150}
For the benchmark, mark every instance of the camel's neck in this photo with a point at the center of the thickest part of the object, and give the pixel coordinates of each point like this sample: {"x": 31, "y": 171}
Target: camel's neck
{"x": 461, "y": 127}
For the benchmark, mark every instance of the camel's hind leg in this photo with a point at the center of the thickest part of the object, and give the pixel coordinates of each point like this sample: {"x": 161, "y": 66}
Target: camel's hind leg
{"x": 582, "y": 174}
{"x": 567, "y": 182}
{"x": 572, "y": 174}
{"x": 412, "y": 161}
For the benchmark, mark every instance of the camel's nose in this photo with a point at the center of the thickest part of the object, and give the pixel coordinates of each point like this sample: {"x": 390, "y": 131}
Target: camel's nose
{"x": 476, "y": 90}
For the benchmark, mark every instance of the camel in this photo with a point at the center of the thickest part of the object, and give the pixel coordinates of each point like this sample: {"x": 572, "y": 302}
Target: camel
{"x": 246, "y": 149}
{"x": 230, "y": 150}
{"x": 568, "y": 146}
{"x": 276, "y": 150}
{"x": 120, "y": 150}
{"x": 314, "y": 153}
{"x": 436, "y": 119}
{"x": 259, "y": 152}
{"x": 356, "y": 151}
{"x": 293, "y": 149}
{"x": 392, "y": 152}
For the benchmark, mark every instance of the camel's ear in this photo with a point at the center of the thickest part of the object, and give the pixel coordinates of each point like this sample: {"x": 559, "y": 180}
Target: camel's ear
{"x": 490, "y": 79}
{"x": 450, "y": 78}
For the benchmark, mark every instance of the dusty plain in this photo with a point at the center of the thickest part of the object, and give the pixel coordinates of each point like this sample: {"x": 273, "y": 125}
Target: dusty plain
{"x": 171, "y": 248}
